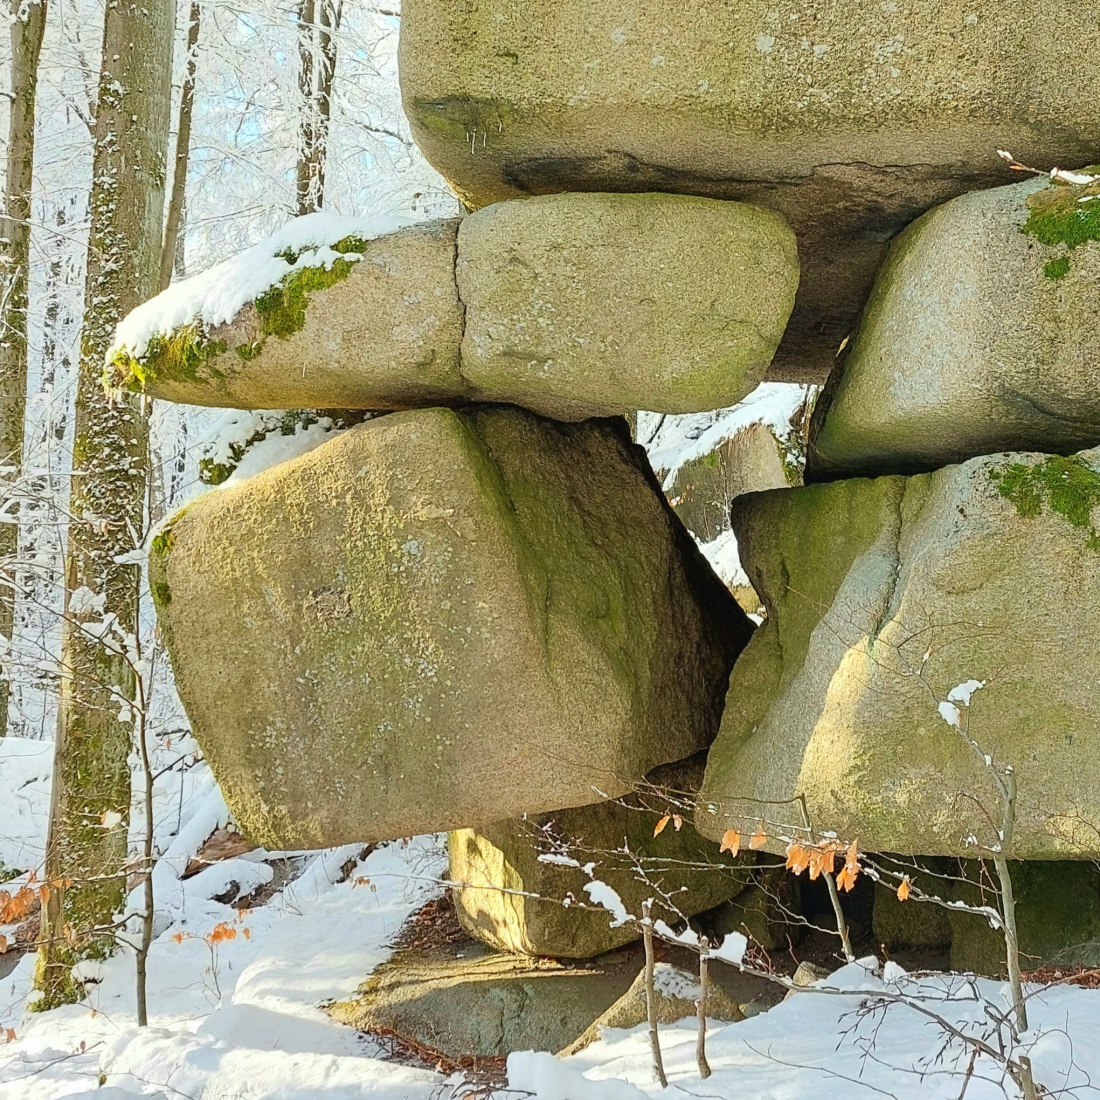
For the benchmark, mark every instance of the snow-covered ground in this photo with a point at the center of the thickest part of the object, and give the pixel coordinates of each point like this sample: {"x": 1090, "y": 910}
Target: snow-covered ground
{"x": 235, "y": 997}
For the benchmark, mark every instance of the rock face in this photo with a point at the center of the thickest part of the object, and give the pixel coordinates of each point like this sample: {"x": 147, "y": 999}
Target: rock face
{"x": 378, "y": 332}
{"x": 464, "y": 1000}
{"x": 883, "y": 597}
{"x": 851, "y": 135}
{"x": 500, "y": 864}
{"x": 705, "y": 461}
{"x": 439, "y": 620}
{"x": 1057, "y": 918}
{"x": 574, "y": 306}
{"x": 677, "y": 998}
{"x": 980, "y": 336}
{"x": 578, "y": 304}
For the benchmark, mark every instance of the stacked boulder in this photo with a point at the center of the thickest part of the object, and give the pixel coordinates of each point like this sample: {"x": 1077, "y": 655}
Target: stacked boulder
{"x": 479, "y": 613}
{"x": 478, "y": 608}
{"x": 930, "y": 625}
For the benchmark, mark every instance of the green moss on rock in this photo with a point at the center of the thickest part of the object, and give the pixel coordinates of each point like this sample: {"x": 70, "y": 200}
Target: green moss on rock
{"x": 1068, "y": 486}
{"x": 186, "y": 354}
{"x": 182, "y": 354}
{"x": 1057, "y": 268}
{"x": 1064, "y": 214}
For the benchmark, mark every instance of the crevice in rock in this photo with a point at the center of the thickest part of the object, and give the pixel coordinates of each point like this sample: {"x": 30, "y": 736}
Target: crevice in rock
{"x": 893, "y": 546}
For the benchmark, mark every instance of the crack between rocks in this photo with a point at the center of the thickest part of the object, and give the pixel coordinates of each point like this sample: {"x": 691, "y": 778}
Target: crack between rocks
{"x": 894, "y": 546}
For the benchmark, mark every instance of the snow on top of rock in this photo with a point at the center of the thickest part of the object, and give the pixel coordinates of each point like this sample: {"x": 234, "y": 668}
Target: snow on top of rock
{"x": 671, "y": 981}
{"x": 681, "y": 439}
{"x": 218, "y": 294}
{"x": 725, "y": 558}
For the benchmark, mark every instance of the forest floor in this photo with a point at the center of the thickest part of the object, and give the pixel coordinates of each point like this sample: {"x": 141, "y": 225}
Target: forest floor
{"x": 237, "y": 995}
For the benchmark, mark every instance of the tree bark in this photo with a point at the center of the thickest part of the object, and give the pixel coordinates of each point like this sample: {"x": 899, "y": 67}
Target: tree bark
{"x": 183, "y": 152}
{"x": 87, "y": 849}
{"x": 318, "y": 20}
{"x": 28, "y": 25}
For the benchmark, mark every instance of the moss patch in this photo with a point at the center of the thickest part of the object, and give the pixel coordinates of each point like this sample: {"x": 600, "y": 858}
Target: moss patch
{"x": 1068, "y": 486}
{"x": 186, "y": 355}
{"x": 181, "y": 355}
{"x": 1064, "y": 214}
{"x": 1057, "y": 268}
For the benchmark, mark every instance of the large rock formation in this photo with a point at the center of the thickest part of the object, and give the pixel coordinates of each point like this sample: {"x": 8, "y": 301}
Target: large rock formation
{"x": 980, "y": 336}
{"x": 595, "y": 304}
{"x": 501, "y": 866}
{"x": 851, "y": 118}
{"x": 1057, "y": 917}
{"x": 574, "y": 306}
{"x": 439, "y": 620}
{"x": 883, "y": 597}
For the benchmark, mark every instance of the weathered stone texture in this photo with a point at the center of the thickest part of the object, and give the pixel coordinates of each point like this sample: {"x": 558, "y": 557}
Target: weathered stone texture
{"x": 499, "y": 867}
{"x": 438, "y": 620}
{"x": 883, "y": 596}
{"x": 981, "y": 336}
{"x": 850, "y": 118}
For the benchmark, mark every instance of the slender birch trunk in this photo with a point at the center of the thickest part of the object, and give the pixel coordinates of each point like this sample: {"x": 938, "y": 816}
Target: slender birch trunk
{"x": 28, "y": 25}
{"x": 87, "y": 849}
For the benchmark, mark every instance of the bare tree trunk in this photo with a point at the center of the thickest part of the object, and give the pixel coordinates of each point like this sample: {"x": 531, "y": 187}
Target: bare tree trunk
{"x": 307, "y": 19}
{"x": 701, "y": 1038}
{"x": 87, "y": 848}
{"x": 28, "y": 25}
{"x": 183, "y": 153}
{"x": 318, "y": 20}
{"x": 651, "y": 995}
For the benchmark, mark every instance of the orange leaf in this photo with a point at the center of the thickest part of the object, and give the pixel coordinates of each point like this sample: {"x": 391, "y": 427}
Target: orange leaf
{"x": 660, "y": 827}
{"x": 3, "y": 944}
{"x": 816, "y": 859}
{"x": 178, "y": 937}
{"x": 247, "y": 933}
{"x": 731, "y": 842}
{"x": 9, "y": 1034}
{"x": 903, "y": 890}
{"x": 759, "y": 838}
{"x": 828, "y": 861}
{"x": 847, "y": 877}
{"x": 798, "y": 859}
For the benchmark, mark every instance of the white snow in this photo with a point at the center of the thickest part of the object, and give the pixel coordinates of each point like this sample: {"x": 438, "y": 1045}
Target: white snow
{"x": 241, "y": 1018}
{"x": 608, "y": 897}
{"x": 950, "y": 714}
{"x": 218, "y": 294}
{"x": 732, "y": 949}
{"x": 275, "y": 448}
{"x": 725, "y": 558}
{"x": 965, "y": 692}
{"x": 671, "y": 981}
{"x": 673, "y": 440}
{"x": 831, "y": 1042}
{"x": 26, "y": 768}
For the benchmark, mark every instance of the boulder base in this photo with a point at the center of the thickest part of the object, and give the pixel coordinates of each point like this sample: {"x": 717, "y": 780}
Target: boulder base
{"x": 677, "y": 994}
{"x": 499, "y": 866}
{"x": 463, "y": 1000}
